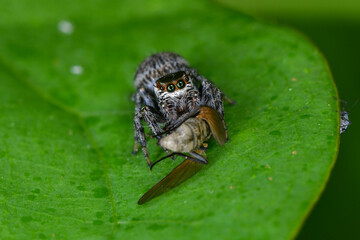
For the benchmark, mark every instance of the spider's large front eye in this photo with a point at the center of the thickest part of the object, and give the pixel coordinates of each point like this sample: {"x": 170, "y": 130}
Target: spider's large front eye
{"x": 180, "y": 84}
{"x": 170, "y": 88}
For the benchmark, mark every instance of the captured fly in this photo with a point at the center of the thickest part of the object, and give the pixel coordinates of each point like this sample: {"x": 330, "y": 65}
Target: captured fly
{"x": 190, "y": 138}
{"x": 192, "y": 134}
{"x": 168, "y": 94}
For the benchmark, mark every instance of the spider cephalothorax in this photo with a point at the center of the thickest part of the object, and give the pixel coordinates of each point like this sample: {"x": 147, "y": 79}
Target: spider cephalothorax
{"x": 168, "y": 92}
{"x": 176, "y": 94}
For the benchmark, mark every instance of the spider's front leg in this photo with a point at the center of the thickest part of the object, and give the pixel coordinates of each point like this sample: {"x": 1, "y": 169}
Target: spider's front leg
{"x": 152, "y": 118}
{"x": 140, "y": 137}
{"x": 176, "y": 123}
{"x": 213, "y": 97}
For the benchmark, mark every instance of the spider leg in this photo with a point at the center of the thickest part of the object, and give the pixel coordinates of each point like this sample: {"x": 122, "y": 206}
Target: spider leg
{"x": 151, "y": 117}
{"x": 202, "y": 79}
{"x": 139, "y": 133}
{"x": 137, "y": 123}
{"x": 140, "y": 137}
{"x": 212, "y": 97}
{"x": 173, "y": 125}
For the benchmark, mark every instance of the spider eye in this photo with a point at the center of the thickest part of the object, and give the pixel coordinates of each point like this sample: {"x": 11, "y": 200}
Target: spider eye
{"x": 162, "y": 88}
{"x": 170, "y": 88}
{"x": 180, "y": 84}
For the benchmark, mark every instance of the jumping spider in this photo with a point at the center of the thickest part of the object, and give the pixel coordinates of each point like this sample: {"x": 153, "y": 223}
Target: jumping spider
{"x": 168, "y": 92}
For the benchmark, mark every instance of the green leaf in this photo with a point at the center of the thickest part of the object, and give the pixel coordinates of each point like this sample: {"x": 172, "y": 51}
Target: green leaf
{"x": 305, "y": 9}
{"x": 66, "y": 140}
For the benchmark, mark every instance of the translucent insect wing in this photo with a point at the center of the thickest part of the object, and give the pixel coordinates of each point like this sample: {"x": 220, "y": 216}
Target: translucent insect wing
{"x": 178, "y": 175}
{"x": 211, "y": 116}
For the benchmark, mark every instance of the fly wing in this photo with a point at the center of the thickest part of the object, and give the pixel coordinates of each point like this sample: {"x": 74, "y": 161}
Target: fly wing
{"x": 212, "y": 117}
{"x": 178, "y": 175}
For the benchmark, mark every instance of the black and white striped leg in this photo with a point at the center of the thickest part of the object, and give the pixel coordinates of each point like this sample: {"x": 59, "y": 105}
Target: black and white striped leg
{"x": 137, "y": 98}
{"x": 140, "y": 137}
{"x": 152, "y": 118}
{"x": 212, "y": 97}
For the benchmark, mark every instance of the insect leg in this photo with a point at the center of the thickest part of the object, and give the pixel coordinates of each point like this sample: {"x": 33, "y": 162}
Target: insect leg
{"x": 167, "y": 156}
{"x": 193, "y": 157}
{"x": 228, "y": 100}
{"x": 198, "y": 158}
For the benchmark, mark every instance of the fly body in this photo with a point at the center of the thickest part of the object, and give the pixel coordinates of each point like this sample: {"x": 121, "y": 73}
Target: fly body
{"x": 190, "y": 138}
{"x": 192, "y": 134}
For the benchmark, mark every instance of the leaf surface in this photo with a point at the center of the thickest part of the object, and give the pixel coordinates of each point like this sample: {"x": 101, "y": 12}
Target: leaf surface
{"x": 66, "y": 139}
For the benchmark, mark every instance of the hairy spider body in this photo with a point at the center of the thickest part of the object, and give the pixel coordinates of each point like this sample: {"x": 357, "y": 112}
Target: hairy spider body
{"x": 168, "y": 92}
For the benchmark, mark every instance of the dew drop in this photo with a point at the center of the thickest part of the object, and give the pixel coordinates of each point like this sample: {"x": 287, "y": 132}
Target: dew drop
{"x": 65, "y": 27}
{"x": 76, "y": 70}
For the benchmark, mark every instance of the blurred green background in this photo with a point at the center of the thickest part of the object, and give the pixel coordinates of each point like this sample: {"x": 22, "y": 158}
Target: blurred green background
{"x": 334, "y": 27}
